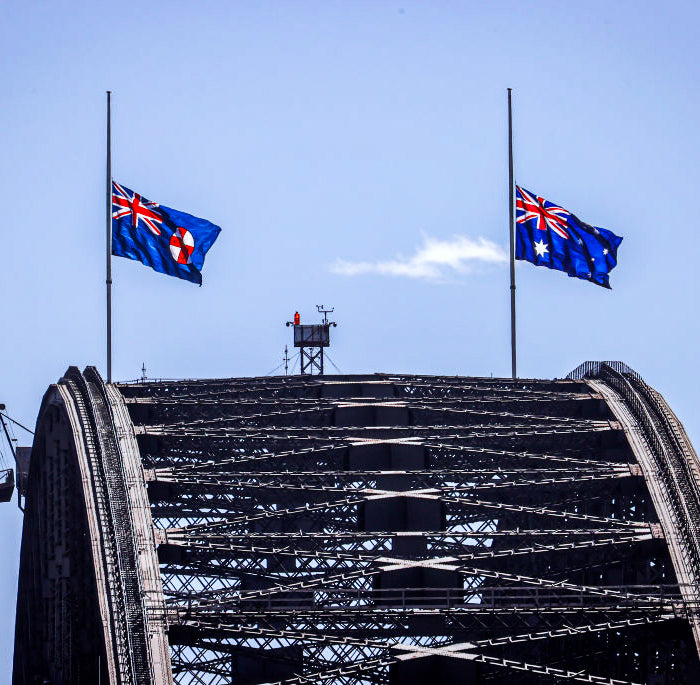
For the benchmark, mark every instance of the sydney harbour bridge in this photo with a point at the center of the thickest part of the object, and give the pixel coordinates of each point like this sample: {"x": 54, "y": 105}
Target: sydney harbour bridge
{"x": 360, "y": 529}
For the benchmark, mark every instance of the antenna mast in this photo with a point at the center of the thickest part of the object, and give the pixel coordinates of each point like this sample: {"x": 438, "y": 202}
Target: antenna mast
{"x": 322, "y": 310}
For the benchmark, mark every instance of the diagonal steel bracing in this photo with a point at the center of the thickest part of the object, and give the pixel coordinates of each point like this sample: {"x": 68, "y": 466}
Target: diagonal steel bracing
{"x": 366, "y": 529}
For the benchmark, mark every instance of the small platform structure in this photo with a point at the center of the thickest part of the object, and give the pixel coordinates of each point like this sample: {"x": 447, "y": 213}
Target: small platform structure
{"x": 312, "y": 339}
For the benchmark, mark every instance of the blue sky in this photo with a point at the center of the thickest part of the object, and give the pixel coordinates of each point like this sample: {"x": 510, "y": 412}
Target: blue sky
{"x": 322, "y": 135}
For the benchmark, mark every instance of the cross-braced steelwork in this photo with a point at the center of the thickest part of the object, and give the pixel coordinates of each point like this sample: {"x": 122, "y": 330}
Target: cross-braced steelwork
{"x": 360, "y": 529}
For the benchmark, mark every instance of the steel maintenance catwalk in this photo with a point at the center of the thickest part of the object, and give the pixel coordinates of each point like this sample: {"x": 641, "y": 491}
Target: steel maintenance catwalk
{"x": 360, "y": 529}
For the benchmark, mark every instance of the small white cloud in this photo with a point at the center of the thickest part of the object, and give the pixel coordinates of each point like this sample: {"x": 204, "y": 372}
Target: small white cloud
{"x": 434, "y": 260}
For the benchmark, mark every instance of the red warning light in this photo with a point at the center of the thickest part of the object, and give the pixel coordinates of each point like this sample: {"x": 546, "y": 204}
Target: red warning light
{"x": 297, "y": 318}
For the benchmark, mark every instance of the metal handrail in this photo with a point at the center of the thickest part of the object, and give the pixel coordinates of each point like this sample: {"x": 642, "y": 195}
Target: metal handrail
{"x": 592, "y": 369}
{"x": 670, "y": 454}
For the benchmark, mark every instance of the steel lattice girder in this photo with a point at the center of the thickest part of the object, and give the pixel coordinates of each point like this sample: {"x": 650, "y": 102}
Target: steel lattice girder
{"x": 360, "y": 529}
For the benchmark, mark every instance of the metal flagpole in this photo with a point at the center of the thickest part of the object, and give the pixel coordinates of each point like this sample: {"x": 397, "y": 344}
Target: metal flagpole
{"x": 109, "y": 236}
{"x": 512, "y": 236}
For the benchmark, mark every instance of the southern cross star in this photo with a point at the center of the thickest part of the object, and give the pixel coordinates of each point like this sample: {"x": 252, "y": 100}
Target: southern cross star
{"x": 540, "y": 248}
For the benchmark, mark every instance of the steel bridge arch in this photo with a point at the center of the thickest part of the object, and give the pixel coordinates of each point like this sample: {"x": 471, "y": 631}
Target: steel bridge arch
{"x": 360, "y": 529}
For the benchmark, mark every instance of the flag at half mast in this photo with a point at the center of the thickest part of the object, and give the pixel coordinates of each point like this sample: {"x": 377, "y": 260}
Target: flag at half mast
{"x": 165, "y": 239}
{"x": 551, "y": 236}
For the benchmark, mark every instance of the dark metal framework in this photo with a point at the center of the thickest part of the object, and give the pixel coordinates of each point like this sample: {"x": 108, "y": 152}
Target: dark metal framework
{"x": 7, "y": 484}
{"x": 360, "y": 529}
{"x": 312, "y": 339}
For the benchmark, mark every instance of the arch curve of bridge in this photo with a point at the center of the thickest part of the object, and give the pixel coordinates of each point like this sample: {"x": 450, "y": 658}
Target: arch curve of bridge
{"x": 342, "y": 501}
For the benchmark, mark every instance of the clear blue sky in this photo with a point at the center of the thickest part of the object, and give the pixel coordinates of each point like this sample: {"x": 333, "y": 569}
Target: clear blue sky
{"x": 325, "y": 134}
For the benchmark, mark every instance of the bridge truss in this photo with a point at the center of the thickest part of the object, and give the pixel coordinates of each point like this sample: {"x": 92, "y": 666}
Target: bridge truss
{"x": 360, "y": 529}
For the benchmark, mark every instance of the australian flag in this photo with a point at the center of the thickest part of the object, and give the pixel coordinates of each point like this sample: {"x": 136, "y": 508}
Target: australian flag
{"x": 548, "y": 235}
{"x": 168, "y": 241}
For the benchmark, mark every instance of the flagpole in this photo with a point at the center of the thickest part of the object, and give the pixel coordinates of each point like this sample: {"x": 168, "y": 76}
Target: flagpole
{"x": 109, "y": 236}
{"x": 511, "y": 207}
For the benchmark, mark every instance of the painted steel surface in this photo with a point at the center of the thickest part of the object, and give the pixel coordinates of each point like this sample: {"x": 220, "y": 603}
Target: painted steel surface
{"x": 361, "y": 529}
